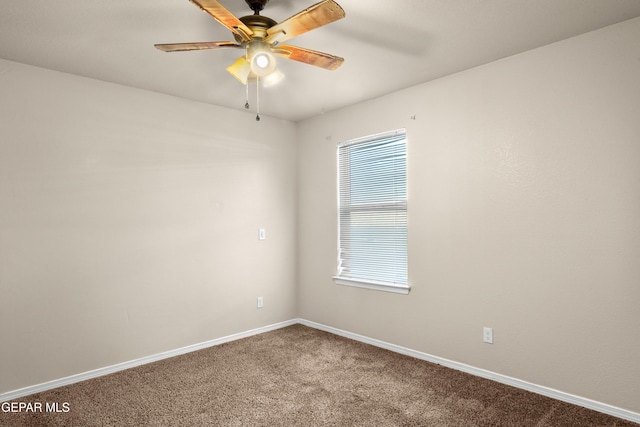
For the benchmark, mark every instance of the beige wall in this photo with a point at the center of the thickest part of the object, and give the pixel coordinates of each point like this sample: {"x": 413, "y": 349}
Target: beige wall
{"x": 129, "y": 223}
{"x": 524, "y": 216}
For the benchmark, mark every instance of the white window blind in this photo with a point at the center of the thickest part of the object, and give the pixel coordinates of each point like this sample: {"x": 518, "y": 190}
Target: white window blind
{"x": 372, "y": 210}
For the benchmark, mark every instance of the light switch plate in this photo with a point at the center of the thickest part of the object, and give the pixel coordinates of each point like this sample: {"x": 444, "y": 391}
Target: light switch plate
{"x": 487, "y": 335}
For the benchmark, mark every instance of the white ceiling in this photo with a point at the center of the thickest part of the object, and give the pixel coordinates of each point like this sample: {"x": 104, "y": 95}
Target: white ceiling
{"x": 387, "y": 45}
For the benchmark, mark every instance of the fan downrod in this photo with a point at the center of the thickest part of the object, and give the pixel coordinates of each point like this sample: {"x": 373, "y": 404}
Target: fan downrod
{"x": 257, "y": 5}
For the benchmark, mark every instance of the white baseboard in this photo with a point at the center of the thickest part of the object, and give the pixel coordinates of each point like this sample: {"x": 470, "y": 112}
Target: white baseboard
{"x": 38, "y": 388}
{"x": 545, "y": 391}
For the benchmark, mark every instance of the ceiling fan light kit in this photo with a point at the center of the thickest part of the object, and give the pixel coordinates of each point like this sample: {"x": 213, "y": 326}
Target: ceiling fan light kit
{"x": 261, "y": 39}
{"x": 260, "y": 58}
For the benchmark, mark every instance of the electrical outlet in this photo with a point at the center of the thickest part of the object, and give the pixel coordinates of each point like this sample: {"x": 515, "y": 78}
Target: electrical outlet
{"x": 487, "y": 335}
{"x": 262, "y": 234}
{"x": 260, "y": 302}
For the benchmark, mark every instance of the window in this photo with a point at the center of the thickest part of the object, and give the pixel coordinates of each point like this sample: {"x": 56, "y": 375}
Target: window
{"x": 372, "y": 212}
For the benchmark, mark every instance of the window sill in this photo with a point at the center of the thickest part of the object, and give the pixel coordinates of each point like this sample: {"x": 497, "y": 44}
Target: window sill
{"x": 370, "y": 284}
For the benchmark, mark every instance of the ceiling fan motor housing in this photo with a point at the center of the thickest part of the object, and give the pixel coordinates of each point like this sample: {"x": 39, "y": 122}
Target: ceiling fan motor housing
{"x": 259, "y": 25}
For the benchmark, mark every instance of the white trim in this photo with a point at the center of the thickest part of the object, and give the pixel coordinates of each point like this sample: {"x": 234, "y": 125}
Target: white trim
{"x": 370, "y": 284}
{"x": 373, "y": 137}
{"x": 504, "y": 379}
{"x": 38, "y": 388}
{"x": 545, "y": 391}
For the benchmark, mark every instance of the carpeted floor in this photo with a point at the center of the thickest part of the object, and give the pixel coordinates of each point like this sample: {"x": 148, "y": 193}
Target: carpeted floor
{"x": 299, "y": 376}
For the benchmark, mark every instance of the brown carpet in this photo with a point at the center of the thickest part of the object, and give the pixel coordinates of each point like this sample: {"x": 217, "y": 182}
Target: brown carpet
{"x": 299, "y": 376}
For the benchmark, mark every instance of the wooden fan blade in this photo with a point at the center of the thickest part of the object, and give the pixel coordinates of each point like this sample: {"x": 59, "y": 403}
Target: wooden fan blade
{"x": 223, "y": 16}
{"x": 308, "y": 56}
{"x": 181, "y": 47}
{"x": 319, "y": 14}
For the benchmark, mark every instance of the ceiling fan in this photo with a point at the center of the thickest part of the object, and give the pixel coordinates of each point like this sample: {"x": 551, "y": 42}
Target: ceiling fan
{"x": 261, "y": 37}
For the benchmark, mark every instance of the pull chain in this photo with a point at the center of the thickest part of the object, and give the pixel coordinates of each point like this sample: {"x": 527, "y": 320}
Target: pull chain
{"x": 257, "y": 98}
{"x": 246, "y": 96}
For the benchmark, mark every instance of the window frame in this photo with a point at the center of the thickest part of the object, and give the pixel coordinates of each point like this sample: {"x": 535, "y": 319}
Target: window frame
{"x": 398, "y": 206}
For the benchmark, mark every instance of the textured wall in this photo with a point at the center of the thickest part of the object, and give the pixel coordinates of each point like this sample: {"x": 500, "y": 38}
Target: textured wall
{"x": 524, "y": 216}
{"x": 129, "y": 223}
